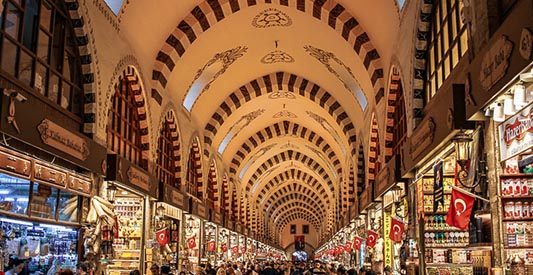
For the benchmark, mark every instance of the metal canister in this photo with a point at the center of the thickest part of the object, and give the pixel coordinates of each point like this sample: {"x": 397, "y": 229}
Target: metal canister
{"x": 509, "y": 209}
{"x": 518, "y": 265}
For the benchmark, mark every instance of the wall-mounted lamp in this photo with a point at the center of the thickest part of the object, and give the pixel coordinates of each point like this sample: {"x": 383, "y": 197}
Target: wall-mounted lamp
{"x": 462, "y": 154}
{"x": 160, "y": 211}
{"x": 111, "y": 192}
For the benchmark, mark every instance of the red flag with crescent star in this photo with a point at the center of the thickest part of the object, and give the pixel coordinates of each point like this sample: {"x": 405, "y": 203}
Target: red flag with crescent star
{"x": 460, "y": 210}
{"x": 235, "y": 249}
{"x": 211, "y": 246}
{"x": 396, "y": 230}
{"x": 357, "y": 241}
{"x": 224, "y": 247}
{"x": 191, "y": 242}
{"x": 371, "y": 238}
{"x": 162, "y": 236}
{"x": 348, "y": 246}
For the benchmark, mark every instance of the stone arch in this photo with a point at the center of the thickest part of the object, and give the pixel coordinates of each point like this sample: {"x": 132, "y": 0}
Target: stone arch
{"x": 281, "y": 85}
{"x": 130, "y": 78}
{"x": 169, "y": 120}
{"x": 285, "y": 156}
{"x": 420, "y": 59}
{"x": 284, "y": 128}
{"x": 225, "y": 196}
{"x": 212, "y": 185}
{"x": 206, "y": 14}
{"x": 395, "y": 93}
{"x": 195, "y": 187}
{"x": 361, "y": 171}
{"x": 82, "y": 29}
{"x": 374, "y": 152}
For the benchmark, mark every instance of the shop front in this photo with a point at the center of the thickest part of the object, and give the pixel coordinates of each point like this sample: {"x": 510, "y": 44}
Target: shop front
{"x": 210, "y": 241}
{"x": 194, "y": 234}
{"x": 391, "y": 193}
{"x": 41, "y": 212}
{"x": 132, "y": 191}
{"x": 168, "y": 214}
{"x": 223, "y": 244}
{"x": 47, "y": 177}
{"x": 444, "y": 159}
{"x": 502, "y": 92}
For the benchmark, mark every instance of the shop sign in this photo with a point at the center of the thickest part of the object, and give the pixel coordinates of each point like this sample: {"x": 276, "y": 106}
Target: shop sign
{"x": 217, "y": 218}
{"x": 495, "y": 62}
{"x": 201, "y": 210}
{"x": 138, "y": 178}
{"x": 382, "y": 181}
{"x": 422, "y": 138}
{"x": 63, "y": 140}
{"x": 79, "y": 184}
{"x": 387, "y": 242}
{"x": 516, "y": 134}
{"x": 47, "y": 174}
{"x": 177, "y": 198}
{"x": 14, "y": 163}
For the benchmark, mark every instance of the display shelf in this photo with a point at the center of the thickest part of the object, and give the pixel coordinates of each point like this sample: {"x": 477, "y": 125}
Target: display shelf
{"x": 516, "y": 175}
{"x": 437, "y": 213}
{"x": 518, "y": 219}
{"x": 519, "y": 247}
{"x": 443, "y": 230}
{"x": 480, "y": 246}
{"x": 128, "y": 250}
{"x": 517, "y": 197}
{"x": 123, "y": 260}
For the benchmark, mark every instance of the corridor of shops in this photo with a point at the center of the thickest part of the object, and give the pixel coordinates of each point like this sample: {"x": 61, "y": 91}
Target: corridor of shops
{"x": 198, "y": 137}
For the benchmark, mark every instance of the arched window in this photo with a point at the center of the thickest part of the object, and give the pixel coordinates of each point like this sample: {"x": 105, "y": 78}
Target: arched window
{"x": 192, "y": 176}
{"x": 39, "y": 51}
{"x": 123, "y": 129}
{"x": 448, "y": 42}
{"x": 211, "y": 183}
{"x": 167, "y": 162}
{"x": 399, "y": 129}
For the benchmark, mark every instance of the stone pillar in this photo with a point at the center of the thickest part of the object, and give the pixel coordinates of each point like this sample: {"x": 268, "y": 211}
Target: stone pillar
{"x": 494, "y": 169}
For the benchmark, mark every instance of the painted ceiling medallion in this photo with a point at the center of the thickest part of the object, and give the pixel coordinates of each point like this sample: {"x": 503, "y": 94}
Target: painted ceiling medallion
{"x": 210, "y": 72}
{"x": 284, "y": 113}
{"x": 340, "y": 70}
{"x": 276, "y": 57}
{"x": 282, "y": 94}
{"x": 271, "y": 18}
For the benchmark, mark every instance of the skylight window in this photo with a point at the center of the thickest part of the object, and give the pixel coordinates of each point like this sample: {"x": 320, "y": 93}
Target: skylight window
{"x": 114, "y": 5}
{"x": 401, "y": 3}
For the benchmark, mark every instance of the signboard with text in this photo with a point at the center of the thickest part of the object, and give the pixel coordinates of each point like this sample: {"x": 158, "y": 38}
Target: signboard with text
{"x": 516, "y": 133}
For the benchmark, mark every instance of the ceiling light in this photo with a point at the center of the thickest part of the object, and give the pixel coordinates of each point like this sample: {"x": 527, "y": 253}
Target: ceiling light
{"x": 508, "y": 106}
{"x": 519, "y": 98}
{"x": 498, "y": 116}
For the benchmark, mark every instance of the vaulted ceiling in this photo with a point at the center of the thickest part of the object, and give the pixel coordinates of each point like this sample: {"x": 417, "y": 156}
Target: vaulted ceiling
{"x": 281, "y": 90}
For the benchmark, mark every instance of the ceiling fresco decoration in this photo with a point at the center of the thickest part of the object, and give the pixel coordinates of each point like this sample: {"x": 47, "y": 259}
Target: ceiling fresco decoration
{"x": 342, "y": 72}
{"x": 238, "y": 126}
{"x": 271, "y": 18}
{"x": 205, "y": 76}
{"x": 277, "y": 56}
{"x": 284, "y": 113}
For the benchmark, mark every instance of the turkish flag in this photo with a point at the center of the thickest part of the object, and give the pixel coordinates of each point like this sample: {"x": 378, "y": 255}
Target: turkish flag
{"x": 396, "y": 230}
{"x": 235, "y": 249}
{"x": 224, "y": 247}
{"x": 371, "y": 238}
{"x": 211, "y": 246}
{"x": 162, "y": 236}
{"x": 357, "y": 241}
{"x": 460, "y": 210}
{"x": 348, "y": 246}
{"x": 243, "y": 250}
{"x": 191, "y": 242}
{"x": 115, "y": 228}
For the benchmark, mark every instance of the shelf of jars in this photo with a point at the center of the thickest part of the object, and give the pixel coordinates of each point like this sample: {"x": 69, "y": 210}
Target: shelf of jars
{"x": 516, "y": 188}
{"x": 127, "y": 246}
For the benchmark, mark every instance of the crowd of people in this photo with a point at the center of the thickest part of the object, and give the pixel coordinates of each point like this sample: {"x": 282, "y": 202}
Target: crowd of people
{"x": 268, "y": 268}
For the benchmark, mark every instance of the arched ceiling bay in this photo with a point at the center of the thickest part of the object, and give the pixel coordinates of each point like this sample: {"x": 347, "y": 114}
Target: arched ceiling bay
{"x": 279, "y": 89}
